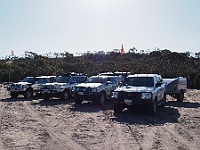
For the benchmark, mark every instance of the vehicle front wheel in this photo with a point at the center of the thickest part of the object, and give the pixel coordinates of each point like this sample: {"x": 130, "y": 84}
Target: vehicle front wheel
{"x": 28, "y": 93}
{"x": 65, "y": 95}
{"x": 14, "y": 94}
{"x": 163, "y": 101}
{"x": 180, "y": 96}
{"x": 101, "y": 99}
{"x": 117, "y": 108}
{"x": 78, "y": 101}
{"x": 46, "y": 97}
{"x": 153, "y": 107}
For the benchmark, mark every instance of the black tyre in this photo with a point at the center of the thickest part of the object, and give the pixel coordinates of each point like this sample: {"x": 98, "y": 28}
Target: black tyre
{"x": 163, "y": 101}
{"x": 101, "y": 99}
{"x": 117, "y": 108}
{"x": 28, "y": 93}
{"x": 14, "y": 94}
{"x": 180, "y": 96}
{"x": 153, "y": 107}
{"x": 65, "y": 95}
{"x": 46, "y": 97}
{"x": 78, "y": 101}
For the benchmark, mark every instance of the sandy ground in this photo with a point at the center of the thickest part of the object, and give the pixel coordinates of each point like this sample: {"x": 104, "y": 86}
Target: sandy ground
{"x": 37, "y": 124}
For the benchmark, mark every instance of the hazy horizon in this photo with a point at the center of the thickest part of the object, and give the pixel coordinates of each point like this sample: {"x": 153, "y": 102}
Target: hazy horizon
{"x": 78, "y": 26}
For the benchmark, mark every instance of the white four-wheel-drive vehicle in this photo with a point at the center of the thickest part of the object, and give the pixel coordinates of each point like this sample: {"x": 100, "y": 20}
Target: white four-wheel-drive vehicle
{"x": 96, "y": 89}
{"x": 146, "y": 90}
{"x": 28, "y": 86}
{"x": 63, "y": 87}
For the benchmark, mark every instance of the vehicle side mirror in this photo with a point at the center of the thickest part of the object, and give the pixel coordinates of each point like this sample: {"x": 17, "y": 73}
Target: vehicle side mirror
{"x": 158, "y": 84}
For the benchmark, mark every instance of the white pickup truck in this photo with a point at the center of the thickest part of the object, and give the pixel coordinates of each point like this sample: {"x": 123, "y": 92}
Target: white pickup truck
{"x": 96, "y": 89}
{"x": 29, "y": 86}
{"x": 176, "y": 87}
{"x": 141, "y": 90}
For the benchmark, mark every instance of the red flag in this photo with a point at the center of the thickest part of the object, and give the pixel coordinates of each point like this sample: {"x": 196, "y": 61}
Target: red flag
{"x": 122, "y": 50}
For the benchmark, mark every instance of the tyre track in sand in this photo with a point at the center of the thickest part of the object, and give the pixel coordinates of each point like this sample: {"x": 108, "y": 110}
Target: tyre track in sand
{"x": 85, "y": 124}
{"x": 58, "y": 137}
{"x": 91, "y": 127}
{"x": 175, "y": 139}
{"x": 120, "y": 135}
{"x": 171, "y": 135}
{"x": 2, "y": 109}
{"x": 123, "y": 136}
{"x": 39, "y": 124}
{"x": 147, "y": 133}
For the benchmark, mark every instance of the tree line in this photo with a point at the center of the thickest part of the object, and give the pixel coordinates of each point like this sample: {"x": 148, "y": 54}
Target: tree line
{"x": 164, "y": 62}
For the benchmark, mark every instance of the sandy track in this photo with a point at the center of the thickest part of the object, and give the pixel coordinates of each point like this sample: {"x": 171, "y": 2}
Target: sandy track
{"x": 56, "y": 124}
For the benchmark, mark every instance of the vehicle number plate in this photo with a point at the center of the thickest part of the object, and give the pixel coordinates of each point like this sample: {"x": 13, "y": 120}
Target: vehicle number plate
{"x": 47, "y": 91}
{"x": 128, "y": 101}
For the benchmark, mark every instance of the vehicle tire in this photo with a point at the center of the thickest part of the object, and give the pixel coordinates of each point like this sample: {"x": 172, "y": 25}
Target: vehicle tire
{"x": 163, "y": 101}
{"x": 117, "y": 108}
{"x": 14, "y": 94}
{"x": 180, "y": 96}
{"x": 65, "y": 95}
{"x": 101, "y": 99}
{"x": 28, "y": 93}
{"x": 46, "y": 97}
{"x": 153, "y": 107}
{"x": 78, "y": 101}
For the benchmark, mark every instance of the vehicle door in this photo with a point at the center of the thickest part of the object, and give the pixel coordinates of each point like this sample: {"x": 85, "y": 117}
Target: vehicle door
{"x": 160, "y": 92}
{"x": 111, "y": 84}
{"x": 39, "y": 82}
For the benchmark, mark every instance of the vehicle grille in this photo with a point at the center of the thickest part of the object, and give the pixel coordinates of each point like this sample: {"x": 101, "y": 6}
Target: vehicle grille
{"x": 47, "y": 87}
{"x": 16, "y": 86}
{"x": 82, "y": 89}
{"x": 131, "y": 95}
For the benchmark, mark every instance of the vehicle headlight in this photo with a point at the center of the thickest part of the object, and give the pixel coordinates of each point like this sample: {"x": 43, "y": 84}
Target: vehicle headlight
{"x": 114, "y": 94}
{"x": 24, "y": 86}
{"x": 9, "y": 87}
{"x": 73, "y": 89}
{"x": 146, "y": 96}
{"x": 62, "y": 87}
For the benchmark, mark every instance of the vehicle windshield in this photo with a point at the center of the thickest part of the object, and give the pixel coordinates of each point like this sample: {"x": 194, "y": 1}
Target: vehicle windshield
{"x": 29, "y": 80}
{"x": 63, "y": 79}
{"x": 41, "y": 80}
{"x": 78, "y": 79}
{"x": 139, "y": 81}
{"x": 52, "y": 79}
{"x": 96, "y": 80}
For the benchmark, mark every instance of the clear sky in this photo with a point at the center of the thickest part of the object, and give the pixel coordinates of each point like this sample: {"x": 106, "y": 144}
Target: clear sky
{"x": 78, "y": 26}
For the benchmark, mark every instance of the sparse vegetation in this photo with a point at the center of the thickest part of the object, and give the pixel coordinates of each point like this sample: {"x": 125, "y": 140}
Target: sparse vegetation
{"x": 164, "y": 62}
